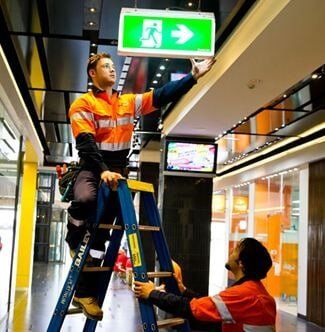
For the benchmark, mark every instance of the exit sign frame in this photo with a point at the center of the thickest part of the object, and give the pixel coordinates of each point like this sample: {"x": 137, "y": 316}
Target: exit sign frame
{"x": 184, "y": 28}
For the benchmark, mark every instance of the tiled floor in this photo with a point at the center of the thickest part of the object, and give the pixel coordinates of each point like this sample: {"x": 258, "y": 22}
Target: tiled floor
{"x": 32, "y": 313}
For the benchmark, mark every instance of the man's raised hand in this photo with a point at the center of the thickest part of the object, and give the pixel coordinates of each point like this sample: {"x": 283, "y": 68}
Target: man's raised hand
{"x": 200, "y": 68}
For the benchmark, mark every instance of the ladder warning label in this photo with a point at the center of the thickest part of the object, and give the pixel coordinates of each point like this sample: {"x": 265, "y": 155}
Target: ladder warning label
{"x": 134, "y": 246}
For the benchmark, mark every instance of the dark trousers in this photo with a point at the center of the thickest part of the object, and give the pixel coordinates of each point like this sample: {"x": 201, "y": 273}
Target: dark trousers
{"x": 82, "y": 213}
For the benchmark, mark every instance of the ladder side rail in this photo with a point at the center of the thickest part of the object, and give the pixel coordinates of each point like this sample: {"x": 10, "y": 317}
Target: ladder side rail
{"x": 78, "y": 263}
{"x": 136, "y": 252}
{"x": 159, "y": 240}
{"x": 109, "y": 260}
{"x": 162, "y": 250}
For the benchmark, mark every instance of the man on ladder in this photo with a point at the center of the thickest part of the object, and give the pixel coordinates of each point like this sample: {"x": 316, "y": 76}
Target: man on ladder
{"x": 102, "y": 124}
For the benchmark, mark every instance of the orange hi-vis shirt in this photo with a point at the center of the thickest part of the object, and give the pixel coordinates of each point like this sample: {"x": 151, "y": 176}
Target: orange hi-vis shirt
{"x": 109, "y": 119}
{"x": 245, "y": 307}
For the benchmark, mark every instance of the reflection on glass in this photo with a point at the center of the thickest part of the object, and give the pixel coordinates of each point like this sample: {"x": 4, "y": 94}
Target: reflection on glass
{"x": 16, "y": 14}
{"x": 57, "y": 235}
{"x": 295, "y": 100}
{"x": 9, "y": 151}
{"x": 239, "y": 217}
{"x": 276, "y": 225}
{"x": 44, "y": 180}
{"x": 218, "y": 243}
{"x": 44, "y": 195}
{"x": 233, "y": 147}
{"x": 268, "y": 121}
{"x": 43, "y": 215}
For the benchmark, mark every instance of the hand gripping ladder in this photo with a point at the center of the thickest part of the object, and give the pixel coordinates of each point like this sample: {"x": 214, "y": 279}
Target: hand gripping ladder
{"x": 125, "y": 221}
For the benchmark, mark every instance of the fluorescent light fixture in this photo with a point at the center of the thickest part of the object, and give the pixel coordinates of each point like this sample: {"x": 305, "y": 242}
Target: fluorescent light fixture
{"x": 279, "y": 155}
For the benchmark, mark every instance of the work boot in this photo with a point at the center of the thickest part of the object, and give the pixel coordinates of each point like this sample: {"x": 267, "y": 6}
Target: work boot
{"x": 89, "y": 306}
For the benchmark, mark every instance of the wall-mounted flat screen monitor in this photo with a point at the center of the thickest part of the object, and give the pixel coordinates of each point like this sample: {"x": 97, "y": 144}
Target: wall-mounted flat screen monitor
{"x": 190, "y": 156}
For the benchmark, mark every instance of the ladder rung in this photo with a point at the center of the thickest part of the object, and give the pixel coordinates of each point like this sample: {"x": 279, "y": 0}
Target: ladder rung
{"x": 73, "y": 311}
{"x": 141, "y": 227}
{"x": 170, "y": 322}
{"x": 159, "y": 274}
{"x": 108, "y": 226}
{"x": 96, "y": 269}
{"x": 149, "y": 228}
{"x": 140, "y": 186}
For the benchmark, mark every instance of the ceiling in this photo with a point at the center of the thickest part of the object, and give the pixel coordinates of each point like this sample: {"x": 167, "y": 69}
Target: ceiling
{"x": 263, "y": 50}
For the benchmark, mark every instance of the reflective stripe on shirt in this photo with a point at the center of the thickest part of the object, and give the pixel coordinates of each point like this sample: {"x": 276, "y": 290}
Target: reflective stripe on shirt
{"x": 138, "y": 105}
{"x": 106, "y": 123}
{"x": 125, "y": 120}
{"x": 114, "y": 146}
{"x": 222, "y": 308}
{"x": 109, "y": 123}
{"x": 82, "y": 116}
{"x": 258, "y": 328}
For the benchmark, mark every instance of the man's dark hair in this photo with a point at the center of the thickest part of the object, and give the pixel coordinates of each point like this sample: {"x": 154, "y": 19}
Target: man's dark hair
{"x": 255, "y": 258}
{"x": 92, "y": 61}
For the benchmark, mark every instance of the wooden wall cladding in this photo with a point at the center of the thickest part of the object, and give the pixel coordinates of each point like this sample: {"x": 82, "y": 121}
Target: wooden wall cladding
{"x": 316, "y": 244}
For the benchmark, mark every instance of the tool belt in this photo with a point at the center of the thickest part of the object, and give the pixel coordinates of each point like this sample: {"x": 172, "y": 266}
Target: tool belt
{"x": 67, "y": 181}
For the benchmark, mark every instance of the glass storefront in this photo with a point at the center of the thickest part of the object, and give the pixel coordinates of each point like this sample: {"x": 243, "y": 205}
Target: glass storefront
{"x": 9, "y": 175}
{"x": 239, "y": 215}
{"x": 269, "y": 210}
{"x": 218, "y": 242}
{"x": 50, "y": 221}
{"x": 276, "y": 223}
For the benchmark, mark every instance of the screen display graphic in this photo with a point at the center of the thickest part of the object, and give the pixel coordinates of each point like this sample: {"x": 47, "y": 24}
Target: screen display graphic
{"x": 190, "y": 157}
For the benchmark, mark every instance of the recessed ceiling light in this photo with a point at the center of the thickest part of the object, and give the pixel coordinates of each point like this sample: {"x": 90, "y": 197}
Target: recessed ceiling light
{"x": 91, "y": 23}
{"x": 314, "y": 76}
{"x": 93, "y": 45}
{"x": 158, "y": 75}
{"x": 92, "y": 9}
{"x": 155, "y": 82}
{"x": 284, "y": 96}
{"x": 190, "y": 4}
{"x": 162, "y": 67}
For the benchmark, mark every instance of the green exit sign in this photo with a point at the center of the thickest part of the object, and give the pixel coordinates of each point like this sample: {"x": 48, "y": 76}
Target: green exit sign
{"x": 165, "y": 33}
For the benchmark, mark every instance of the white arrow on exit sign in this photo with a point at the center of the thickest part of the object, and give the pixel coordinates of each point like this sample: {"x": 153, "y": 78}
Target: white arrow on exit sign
{"x": 183, "y": 34}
